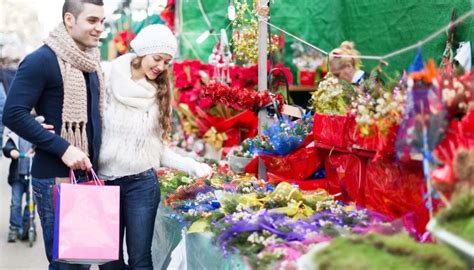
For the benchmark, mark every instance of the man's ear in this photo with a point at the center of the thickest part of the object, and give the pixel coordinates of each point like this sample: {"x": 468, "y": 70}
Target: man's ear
{"x": 69, "y": 20}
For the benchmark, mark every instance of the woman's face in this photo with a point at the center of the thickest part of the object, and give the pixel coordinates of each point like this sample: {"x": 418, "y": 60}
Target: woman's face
{"x": 153, "y": 64}
{"x": 344, "y": 73}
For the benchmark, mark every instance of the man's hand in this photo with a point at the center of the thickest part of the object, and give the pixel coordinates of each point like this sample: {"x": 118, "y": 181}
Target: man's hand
{"x": 76, "y": 159}
{"x": 14, "y": 154}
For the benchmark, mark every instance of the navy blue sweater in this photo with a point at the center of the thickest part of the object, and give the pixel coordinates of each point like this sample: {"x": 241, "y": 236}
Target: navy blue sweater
{"x": 38, "y": 84}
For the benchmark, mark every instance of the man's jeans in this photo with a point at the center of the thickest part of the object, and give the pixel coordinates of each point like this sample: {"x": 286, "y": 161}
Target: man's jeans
{"x": 17, "y": 220}
{"x": 43, "y": 193}
{"x": 139, "y": 199}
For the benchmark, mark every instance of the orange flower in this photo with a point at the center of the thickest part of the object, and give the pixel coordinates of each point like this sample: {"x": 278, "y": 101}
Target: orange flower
{"x": 427, "y": 74}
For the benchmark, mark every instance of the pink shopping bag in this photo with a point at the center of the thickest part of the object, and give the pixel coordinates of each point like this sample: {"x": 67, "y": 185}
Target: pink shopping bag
{"x": 86, "y": 227}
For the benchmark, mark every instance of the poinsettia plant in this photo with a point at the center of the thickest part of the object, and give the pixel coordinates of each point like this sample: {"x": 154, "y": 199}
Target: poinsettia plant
{"x": 239, "y": 98}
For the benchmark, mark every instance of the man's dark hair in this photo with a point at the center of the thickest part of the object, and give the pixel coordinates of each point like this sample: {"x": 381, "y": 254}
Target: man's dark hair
{"x": 75, "y": 7}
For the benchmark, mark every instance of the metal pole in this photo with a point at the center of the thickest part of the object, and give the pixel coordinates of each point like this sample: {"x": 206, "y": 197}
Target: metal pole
{"x": 178, "y": 25}
{"x": 262, "y": 74}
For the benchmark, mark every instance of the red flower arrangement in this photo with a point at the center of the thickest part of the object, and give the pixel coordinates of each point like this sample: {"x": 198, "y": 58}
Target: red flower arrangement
{"x": 239, "y": 98}
{"x": 187, "y": 74}
{"x": 122, "y": 41}
{"x": 167, "y": 15}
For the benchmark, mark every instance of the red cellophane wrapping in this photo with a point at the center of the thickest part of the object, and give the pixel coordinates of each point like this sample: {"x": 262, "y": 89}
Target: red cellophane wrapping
{"x": 356, "y": 140}
{"x": 395, "y": 189}
{"x": 309, "y": 184}
{"x": 331, "y": 129}
{"x": 382, "y": 144}
{"x": 346, "y": 175}
{"x": 237, "y": 128}
{"x": 299, "y": 164}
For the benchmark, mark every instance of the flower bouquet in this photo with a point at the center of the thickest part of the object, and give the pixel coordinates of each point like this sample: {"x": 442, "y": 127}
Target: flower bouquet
{"x": 332, "y": 97}
{"x": 239, "y": 98}
{"x": 457, "y": 93}
{"x": 282, "y": 138}
{"x": 171, "y": 180}
{"x": 283, "y": 147}
{"x": 249, "y": 232}
{"x": 331, "y": 102}
{"x": 240, "y": 158}
{"x": 378, "y": 107}
{"x": 376, "y": 112}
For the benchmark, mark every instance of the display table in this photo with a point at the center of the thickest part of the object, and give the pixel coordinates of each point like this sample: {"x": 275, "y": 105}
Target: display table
{"x": 194, "y": 251}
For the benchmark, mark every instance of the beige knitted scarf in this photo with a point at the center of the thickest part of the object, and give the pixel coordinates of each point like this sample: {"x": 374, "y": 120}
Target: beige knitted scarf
{"x": 73, "y": 62}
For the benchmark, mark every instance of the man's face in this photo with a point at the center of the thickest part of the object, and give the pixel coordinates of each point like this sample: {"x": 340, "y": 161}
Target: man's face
{"x": 86, "y": 29}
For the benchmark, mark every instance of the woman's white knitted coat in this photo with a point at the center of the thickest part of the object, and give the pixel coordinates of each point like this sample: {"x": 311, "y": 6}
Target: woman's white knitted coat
{"x": 131, "y": 138}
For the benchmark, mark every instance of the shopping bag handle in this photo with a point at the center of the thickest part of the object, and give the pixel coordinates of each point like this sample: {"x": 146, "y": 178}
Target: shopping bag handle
{"x": 95, "y": 178}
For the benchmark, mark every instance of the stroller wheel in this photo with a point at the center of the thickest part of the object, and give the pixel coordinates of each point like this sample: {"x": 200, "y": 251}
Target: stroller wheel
{"x": 31, "y": 236}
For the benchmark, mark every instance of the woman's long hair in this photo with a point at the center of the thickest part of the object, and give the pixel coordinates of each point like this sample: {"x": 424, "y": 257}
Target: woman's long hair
{"x": 163, "y": 98}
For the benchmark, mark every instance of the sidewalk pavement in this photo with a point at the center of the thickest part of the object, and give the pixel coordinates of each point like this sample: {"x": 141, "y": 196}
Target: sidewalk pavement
{"x": 16, "y": 256}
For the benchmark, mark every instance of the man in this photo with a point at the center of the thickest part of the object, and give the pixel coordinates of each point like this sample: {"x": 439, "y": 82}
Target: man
{"x": 63, "y": 82}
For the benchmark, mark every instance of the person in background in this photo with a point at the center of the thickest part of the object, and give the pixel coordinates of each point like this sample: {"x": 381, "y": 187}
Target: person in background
{"x": 20, "y": 151}
{"x": 136, "y": 127}
{"x": 63, "y": 81}
{"x": 10, "y": 57}
{"x": 345, "y": 64}
{"x": 2, "y": 104}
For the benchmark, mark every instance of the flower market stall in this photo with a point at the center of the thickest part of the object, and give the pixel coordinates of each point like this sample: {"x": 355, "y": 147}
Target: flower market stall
{"x": 367, "y": 176}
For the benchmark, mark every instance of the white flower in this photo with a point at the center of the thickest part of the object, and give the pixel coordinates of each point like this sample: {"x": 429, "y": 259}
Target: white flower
{"x": 362, "y": 109}
{"x": 448, "y": 94}
{"x": 457, "y": 85}
{"x": 240, "y": 207}
{"x": 253, "y": 238}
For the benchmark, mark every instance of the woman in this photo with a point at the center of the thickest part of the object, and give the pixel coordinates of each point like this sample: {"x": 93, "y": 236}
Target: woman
{"x": 344, "y": 64}
{"x": 137, "y": 122}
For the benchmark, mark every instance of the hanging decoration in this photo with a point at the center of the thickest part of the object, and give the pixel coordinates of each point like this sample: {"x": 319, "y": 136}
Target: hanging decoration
{"x": 221, "y": 60}
{"x": 245, "y": 34}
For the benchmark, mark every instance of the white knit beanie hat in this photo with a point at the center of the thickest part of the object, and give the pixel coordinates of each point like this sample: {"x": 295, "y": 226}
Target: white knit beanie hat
{"x": 155, "y": 38}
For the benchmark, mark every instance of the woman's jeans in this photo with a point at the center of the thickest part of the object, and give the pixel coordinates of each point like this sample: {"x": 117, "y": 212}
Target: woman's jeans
{"x": 139, "y": 199}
